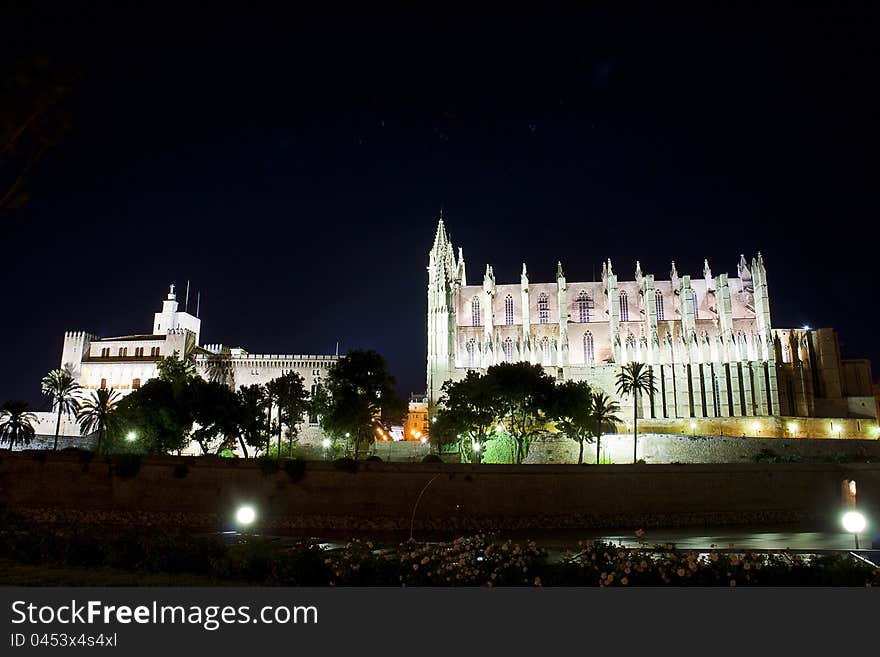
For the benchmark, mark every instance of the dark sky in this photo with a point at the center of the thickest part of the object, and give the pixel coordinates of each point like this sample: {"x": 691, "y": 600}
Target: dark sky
{"x": 292, "y": 167}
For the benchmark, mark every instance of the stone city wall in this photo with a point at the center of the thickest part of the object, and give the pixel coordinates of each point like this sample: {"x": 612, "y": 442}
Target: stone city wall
{"x": 203, "y": 493}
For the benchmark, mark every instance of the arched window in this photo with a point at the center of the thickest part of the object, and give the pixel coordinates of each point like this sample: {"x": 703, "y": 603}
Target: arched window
{"x": 154, "y": 351}
{"x": 585, "y": 304}
{"x": 589, "y": 349}
{"x": 105, "y": 352}
{"x": 471, "y": 352}
{"x": 545, "y": 351}
{"x": 508, "y": 310}
{"x": 103, "y": 383}
{"x": 624, "y": 306}
{"x": 123, "y": 351}
{"x": 658, "y": 302}
{"x": 475, "y": 311}
{"x": 543, "y": 309}
{"x": 135, "y": 384}
{"x": 139, "y": 351}
{"x": 508, "y": 349}
{"x": 696, "y": 305}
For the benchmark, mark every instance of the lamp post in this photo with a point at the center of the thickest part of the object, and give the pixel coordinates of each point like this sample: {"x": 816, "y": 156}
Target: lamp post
{"x": 854, "y": 522}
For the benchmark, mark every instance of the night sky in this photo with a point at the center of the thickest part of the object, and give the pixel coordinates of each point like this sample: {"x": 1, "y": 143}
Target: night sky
{"x": 293, "y": 167}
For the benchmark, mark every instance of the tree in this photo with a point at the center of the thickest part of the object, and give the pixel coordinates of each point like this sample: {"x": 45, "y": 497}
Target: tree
{"x": 573, "y": 413}
{"x": 213, "y": 409}
{"x": 160, "y": 412}
{"x": 63, "y": 392}
{"x": 17, "y": 423}
{"x": 250, "y": 417}
{"x": 603, "y": 416}
{"x": 97, "y": 413}
{"x": 359, "y": 399}
{"x": 525, "y": 394}
{"x": 635, "y": 379}
{"x": 468, "y": 408}
{"x": 289, "y": 392}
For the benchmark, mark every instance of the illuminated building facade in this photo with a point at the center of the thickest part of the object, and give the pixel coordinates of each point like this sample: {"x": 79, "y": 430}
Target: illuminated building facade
{"x": 709, "y": 341}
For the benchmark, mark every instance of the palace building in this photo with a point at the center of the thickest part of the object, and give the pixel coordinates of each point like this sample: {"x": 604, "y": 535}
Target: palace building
{"x": 718, "y": 360}
{"x": 125, "y": 363}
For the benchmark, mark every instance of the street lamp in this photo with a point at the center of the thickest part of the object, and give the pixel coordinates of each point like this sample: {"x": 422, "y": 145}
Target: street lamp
{"x": 131, "y": 436}
{"x": 245, "y": 515}
{"x": 854, "y": 522}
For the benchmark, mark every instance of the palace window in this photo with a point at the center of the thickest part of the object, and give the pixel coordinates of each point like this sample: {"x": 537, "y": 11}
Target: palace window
{"x": 589, "y": 349}
{"x": 658, "y": 302}
{"x": 105, "y": 352}
{"x": 139, "y": 351}
{"x": 471, "y": 352}
{"x": 545, "y": 351}
{"x": 103, "y": 383}
{"x": 154, "y": 351}
{"x": 135, "y": 384}
{"x": 624, "y": 306}
{"x": 123, "y": 351}
{"x": 543, "y": 309}
{"x": 475, "y": 311}
{"x": 508, "y": 310}
{"x": 508, "y": 349}
{"x": 695, "y": 304}
{"x": 585, "y": 304}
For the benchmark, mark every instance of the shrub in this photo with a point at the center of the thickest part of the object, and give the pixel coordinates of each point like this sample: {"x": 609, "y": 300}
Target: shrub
{"x": 374, "y": 458}
{"x": 432, "y": 458}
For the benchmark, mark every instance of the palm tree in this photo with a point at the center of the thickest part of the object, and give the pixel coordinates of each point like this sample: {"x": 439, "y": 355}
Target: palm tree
{"x": 603, "y": 417}
{"x": 63, "y": 392}
{"x": 16, "y": 422}
{"x": 96, "y": 413}
{"x": 635, "y": 379}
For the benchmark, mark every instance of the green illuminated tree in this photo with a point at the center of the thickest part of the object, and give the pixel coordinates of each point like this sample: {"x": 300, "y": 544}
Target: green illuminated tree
{"x": 251, "y": 406}
{"x": 634, "y": 380}
{"x": 468, "y": 409}
{"x": 525, "y": 396}
{"x": 17, "y": 423}
{"x": 63, "y": 392}
{"x": 289, "y": 393}
{"x": 573, "y": 413}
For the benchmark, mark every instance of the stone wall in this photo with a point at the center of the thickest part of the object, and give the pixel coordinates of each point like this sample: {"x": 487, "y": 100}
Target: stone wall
{"x": 203, "y": 493}
{"x": 666, "y": 448}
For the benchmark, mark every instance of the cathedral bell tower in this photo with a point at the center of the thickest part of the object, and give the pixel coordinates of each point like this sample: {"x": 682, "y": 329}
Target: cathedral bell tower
{"x": 445, "y": 277}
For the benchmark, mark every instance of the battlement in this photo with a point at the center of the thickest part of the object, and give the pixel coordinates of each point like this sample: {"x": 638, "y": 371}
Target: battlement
{"x": 79, "y": 335}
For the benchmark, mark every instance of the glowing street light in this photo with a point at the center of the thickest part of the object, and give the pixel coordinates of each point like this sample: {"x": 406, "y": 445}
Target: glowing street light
{"x": 805, "y": 327}
{"x": 131, "y": 436}
{"x": 326, "y": 443}
{"x": 854, "y": 523}
{"x": 245, "y": 515}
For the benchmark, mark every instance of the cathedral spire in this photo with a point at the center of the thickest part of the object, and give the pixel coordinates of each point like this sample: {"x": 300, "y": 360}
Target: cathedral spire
{"x": 639, "y": 272}
{"x": 440, "y": 238}
{"x": 673, "y": 277}
{"x": 559, "y": 272}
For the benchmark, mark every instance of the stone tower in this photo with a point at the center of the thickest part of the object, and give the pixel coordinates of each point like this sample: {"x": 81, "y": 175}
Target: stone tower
{"x": 445, "y": 277}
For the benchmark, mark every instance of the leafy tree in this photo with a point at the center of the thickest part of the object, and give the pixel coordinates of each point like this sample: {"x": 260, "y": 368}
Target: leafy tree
{"x": 573, "y": 413}
{"x": 359, "y": 398}
{"x": 176, "y": 370}
{"x": 63, "y": 392}
{"x": 289, "y": 393}
{"x": 251, "y": 403}
{"x": 603, "y": 416}
{"x": 525, "y": 394}
{"x": 213, "y": 407}
{"x": 17, "y": 423}
{"x": 97, "y": 413}
{"x": 159, "y": 414}
{"x": 468, "y": 409}
{"x": 219, "y": 369}
{"x": 635, "y": 379}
